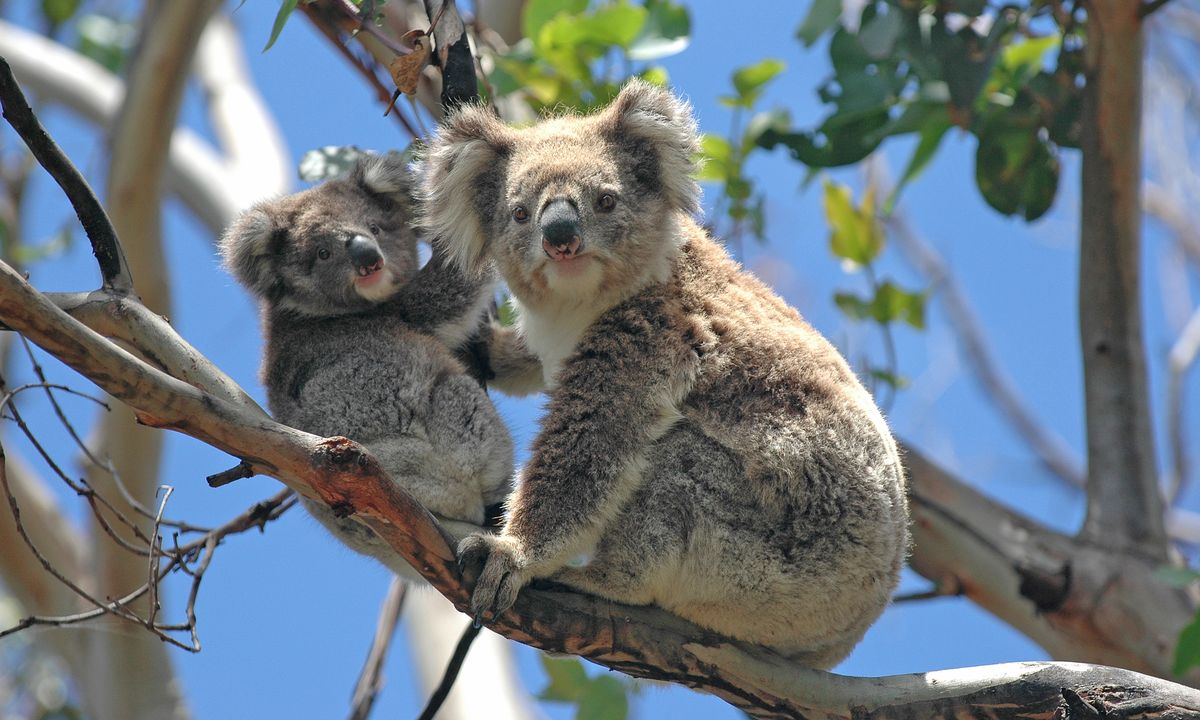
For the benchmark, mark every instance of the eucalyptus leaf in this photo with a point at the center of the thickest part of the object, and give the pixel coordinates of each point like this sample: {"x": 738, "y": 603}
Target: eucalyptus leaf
{"x": 604, "y": 698}
{"x": 879, "y": 35}
{"x": 822, "y": 15}
{"x": 538, "y": 12}
{"x": 326, "y": 163}
{"x": 281, "y": 18}
{"x": 750, "y": 80}
{"x": 567, "y": 679}
{"x": 854, "y": 233}
{"x": 667, "y": 31}
{"x": 1187, "y": 650}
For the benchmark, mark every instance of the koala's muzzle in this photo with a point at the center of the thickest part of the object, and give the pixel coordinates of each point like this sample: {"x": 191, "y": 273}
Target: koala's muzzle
{"x": 364, "y": 254}
{"x": 560, "y": 230}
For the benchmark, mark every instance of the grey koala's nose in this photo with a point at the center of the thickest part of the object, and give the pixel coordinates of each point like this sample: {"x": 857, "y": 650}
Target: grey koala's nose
{"x": 560, "y": 229}
{"x": 364, "y": 253}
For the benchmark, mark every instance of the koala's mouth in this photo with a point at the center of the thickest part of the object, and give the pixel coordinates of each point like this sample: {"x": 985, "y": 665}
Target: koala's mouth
{"x": 366, "y": 271}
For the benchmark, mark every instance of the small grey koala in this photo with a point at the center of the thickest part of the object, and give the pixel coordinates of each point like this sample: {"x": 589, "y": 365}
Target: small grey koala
{"x": 705, "y": 448}
{"x": 358, "y": 343}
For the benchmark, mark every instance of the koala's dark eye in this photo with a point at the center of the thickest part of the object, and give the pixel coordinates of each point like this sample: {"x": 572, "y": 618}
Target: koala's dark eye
{"x": 606, "y": 202}
{"x": 323, "y": 254}
{"x": 375, "y": 230}
{"x": 520, "y": 214}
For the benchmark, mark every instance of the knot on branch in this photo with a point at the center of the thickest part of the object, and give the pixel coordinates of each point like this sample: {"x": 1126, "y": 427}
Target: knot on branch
{"x": 1046, "y": 589}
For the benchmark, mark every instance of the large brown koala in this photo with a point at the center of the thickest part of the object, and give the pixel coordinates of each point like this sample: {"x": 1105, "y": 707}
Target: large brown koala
{"x": 704, "y": 449}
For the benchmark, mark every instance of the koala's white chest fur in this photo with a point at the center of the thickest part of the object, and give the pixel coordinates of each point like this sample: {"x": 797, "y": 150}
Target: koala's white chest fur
{"x": 552, "y": 333}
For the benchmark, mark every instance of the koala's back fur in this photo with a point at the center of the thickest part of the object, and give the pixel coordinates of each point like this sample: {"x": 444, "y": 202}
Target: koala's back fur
{"x": 703, "y": 446}
{"x": 374, "y": 368}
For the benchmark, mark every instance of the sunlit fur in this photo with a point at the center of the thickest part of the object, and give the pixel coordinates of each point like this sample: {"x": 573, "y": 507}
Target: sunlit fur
{"x": 707, "y": 449}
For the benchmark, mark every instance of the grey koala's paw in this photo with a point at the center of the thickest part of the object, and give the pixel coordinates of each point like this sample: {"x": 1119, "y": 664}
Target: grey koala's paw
{"x": 502, "y": 576}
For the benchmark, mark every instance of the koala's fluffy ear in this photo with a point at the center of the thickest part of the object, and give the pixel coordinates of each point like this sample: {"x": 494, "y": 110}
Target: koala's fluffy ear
{"x": 247, "y": 247}
{"x": 461, "y": 178}
{"x": 386, "y": 174}
{"x": 650, "y": 121}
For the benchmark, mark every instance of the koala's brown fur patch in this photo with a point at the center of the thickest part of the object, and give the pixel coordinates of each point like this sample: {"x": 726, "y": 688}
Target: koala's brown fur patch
{"x": 703, "y": 446}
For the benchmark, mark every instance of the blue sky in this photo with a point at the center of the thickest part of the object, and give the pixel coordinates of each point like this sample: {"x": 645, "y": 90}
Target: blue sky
{"x": 286, "y": 617}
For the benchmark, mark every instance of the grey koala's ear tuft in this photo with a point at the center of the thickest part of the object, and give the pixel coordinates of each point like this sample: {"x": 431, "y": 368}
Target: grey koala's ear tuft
{"x": 386, "y": 174}
{"x": 648, "y": 117}
{"x": 460, "y": 182}
{"x": 246, "y": 248}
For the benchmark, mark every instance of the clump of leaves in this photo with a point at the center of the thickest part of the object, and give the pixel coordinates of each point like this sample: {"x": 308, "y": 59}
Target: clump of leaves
{"x": 576, "y": 55}
{"x": 857, "y": 237}
{"x": 1008, "y": 75}
{"x": 723, "y": 159}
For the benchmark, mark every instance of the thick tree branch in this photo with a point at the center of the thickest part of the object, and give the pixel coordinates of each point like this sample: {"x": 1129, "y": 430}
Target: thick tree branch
{"x": 1125, "y": 509}
{"x": 642, "y": 641}
{"x": 1077, "y": 601}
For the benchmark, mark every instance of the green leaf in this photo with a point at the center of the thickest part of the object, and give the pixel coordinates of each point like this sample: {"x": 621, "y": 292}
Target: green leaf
{"x": 567, "y": 679}
{"x": 839, "y": 141}
{"x": 738, "y": 189}
{"x": 852, "y": 306}
{"x": 879, "y": 35}
{"x": 604, "y": 698}
{"x": 58, "y": 12}
{"x": 539, "y": 12}
{"x": 507, "y": 313}
{"x": 1029, "y": 53}
{"x": 58, "y": 244}
{"x": 749, "y": 81}
{"x": 854, "y": 234}
{"x": 758, "y": 219}
{"x": 931, "y": 139}
{"x": 778, "y": 120}
{"x": 716, "y": 155}
{"x": 281, "y": 18}
{"x": 1187, "y": 650}
{"x": 655, "y": 75}
{"x": 1177, "y": 576}
{"x": 326, "y": 163}
{"x": 667, "y": 31}
{"x": 897, "y": 382}
{"x": 105, "y": 40}
{"x": 1016, "y": 170}
{"x": 822, "y": 15}
{"x": 618, "y": 24}
{"x": 892, "y": 303}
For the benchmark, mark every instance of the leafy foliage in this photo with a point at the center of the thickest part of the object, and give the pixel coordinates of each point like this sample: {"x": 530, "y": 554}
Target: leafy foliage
{"x": 723, "y": 159}
{"x": 576, "y": 56}
{"x": 918, "y": 69}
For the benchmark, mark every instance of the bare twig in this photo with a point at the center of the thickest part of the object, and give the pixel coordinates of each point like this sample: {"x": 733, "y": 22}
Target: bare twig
{"x": 1049, "y": 447}
{"x": 1179, "y": 361}
{"x": 233, "y": 474}
{"x": 451, "y": 674}
{"x": 370, "y": 679}
{"x": 106, "y": 248}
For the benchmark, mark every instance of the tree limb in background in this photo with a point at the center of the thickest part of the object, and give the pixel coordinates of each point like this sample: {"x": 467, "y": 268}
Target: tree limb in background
{"x": 1124, "y": 509}
{"x": 1049, "y": 447}
{"x": 207, "y": 183}
{"x": 642, "y": 641}
{"x": 168, "y": 35}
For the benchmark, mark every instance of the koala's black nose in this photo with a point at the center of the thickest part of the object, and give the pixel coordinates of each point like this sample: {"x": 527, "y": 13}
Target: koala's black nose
{"x": 364, "y": 253}
{"x": 560, "y": 229}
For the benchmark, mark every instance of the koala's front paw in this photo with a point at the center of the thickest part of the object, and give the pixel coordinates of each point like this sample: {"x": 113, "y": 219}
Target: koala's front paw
{"x": 502, "y": 577}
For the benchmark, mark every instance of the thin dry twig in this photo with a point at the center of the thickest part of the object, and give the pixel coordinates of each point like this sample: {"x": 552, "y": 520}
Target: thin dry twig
{"x": 106, "y": 248}
{"x": 370, "y": 679}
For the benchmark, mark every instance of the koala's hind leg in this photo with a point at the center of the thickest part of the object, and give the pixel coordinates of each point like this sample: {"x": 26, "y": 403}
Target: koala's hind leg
{"x": 471, "y": 443}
